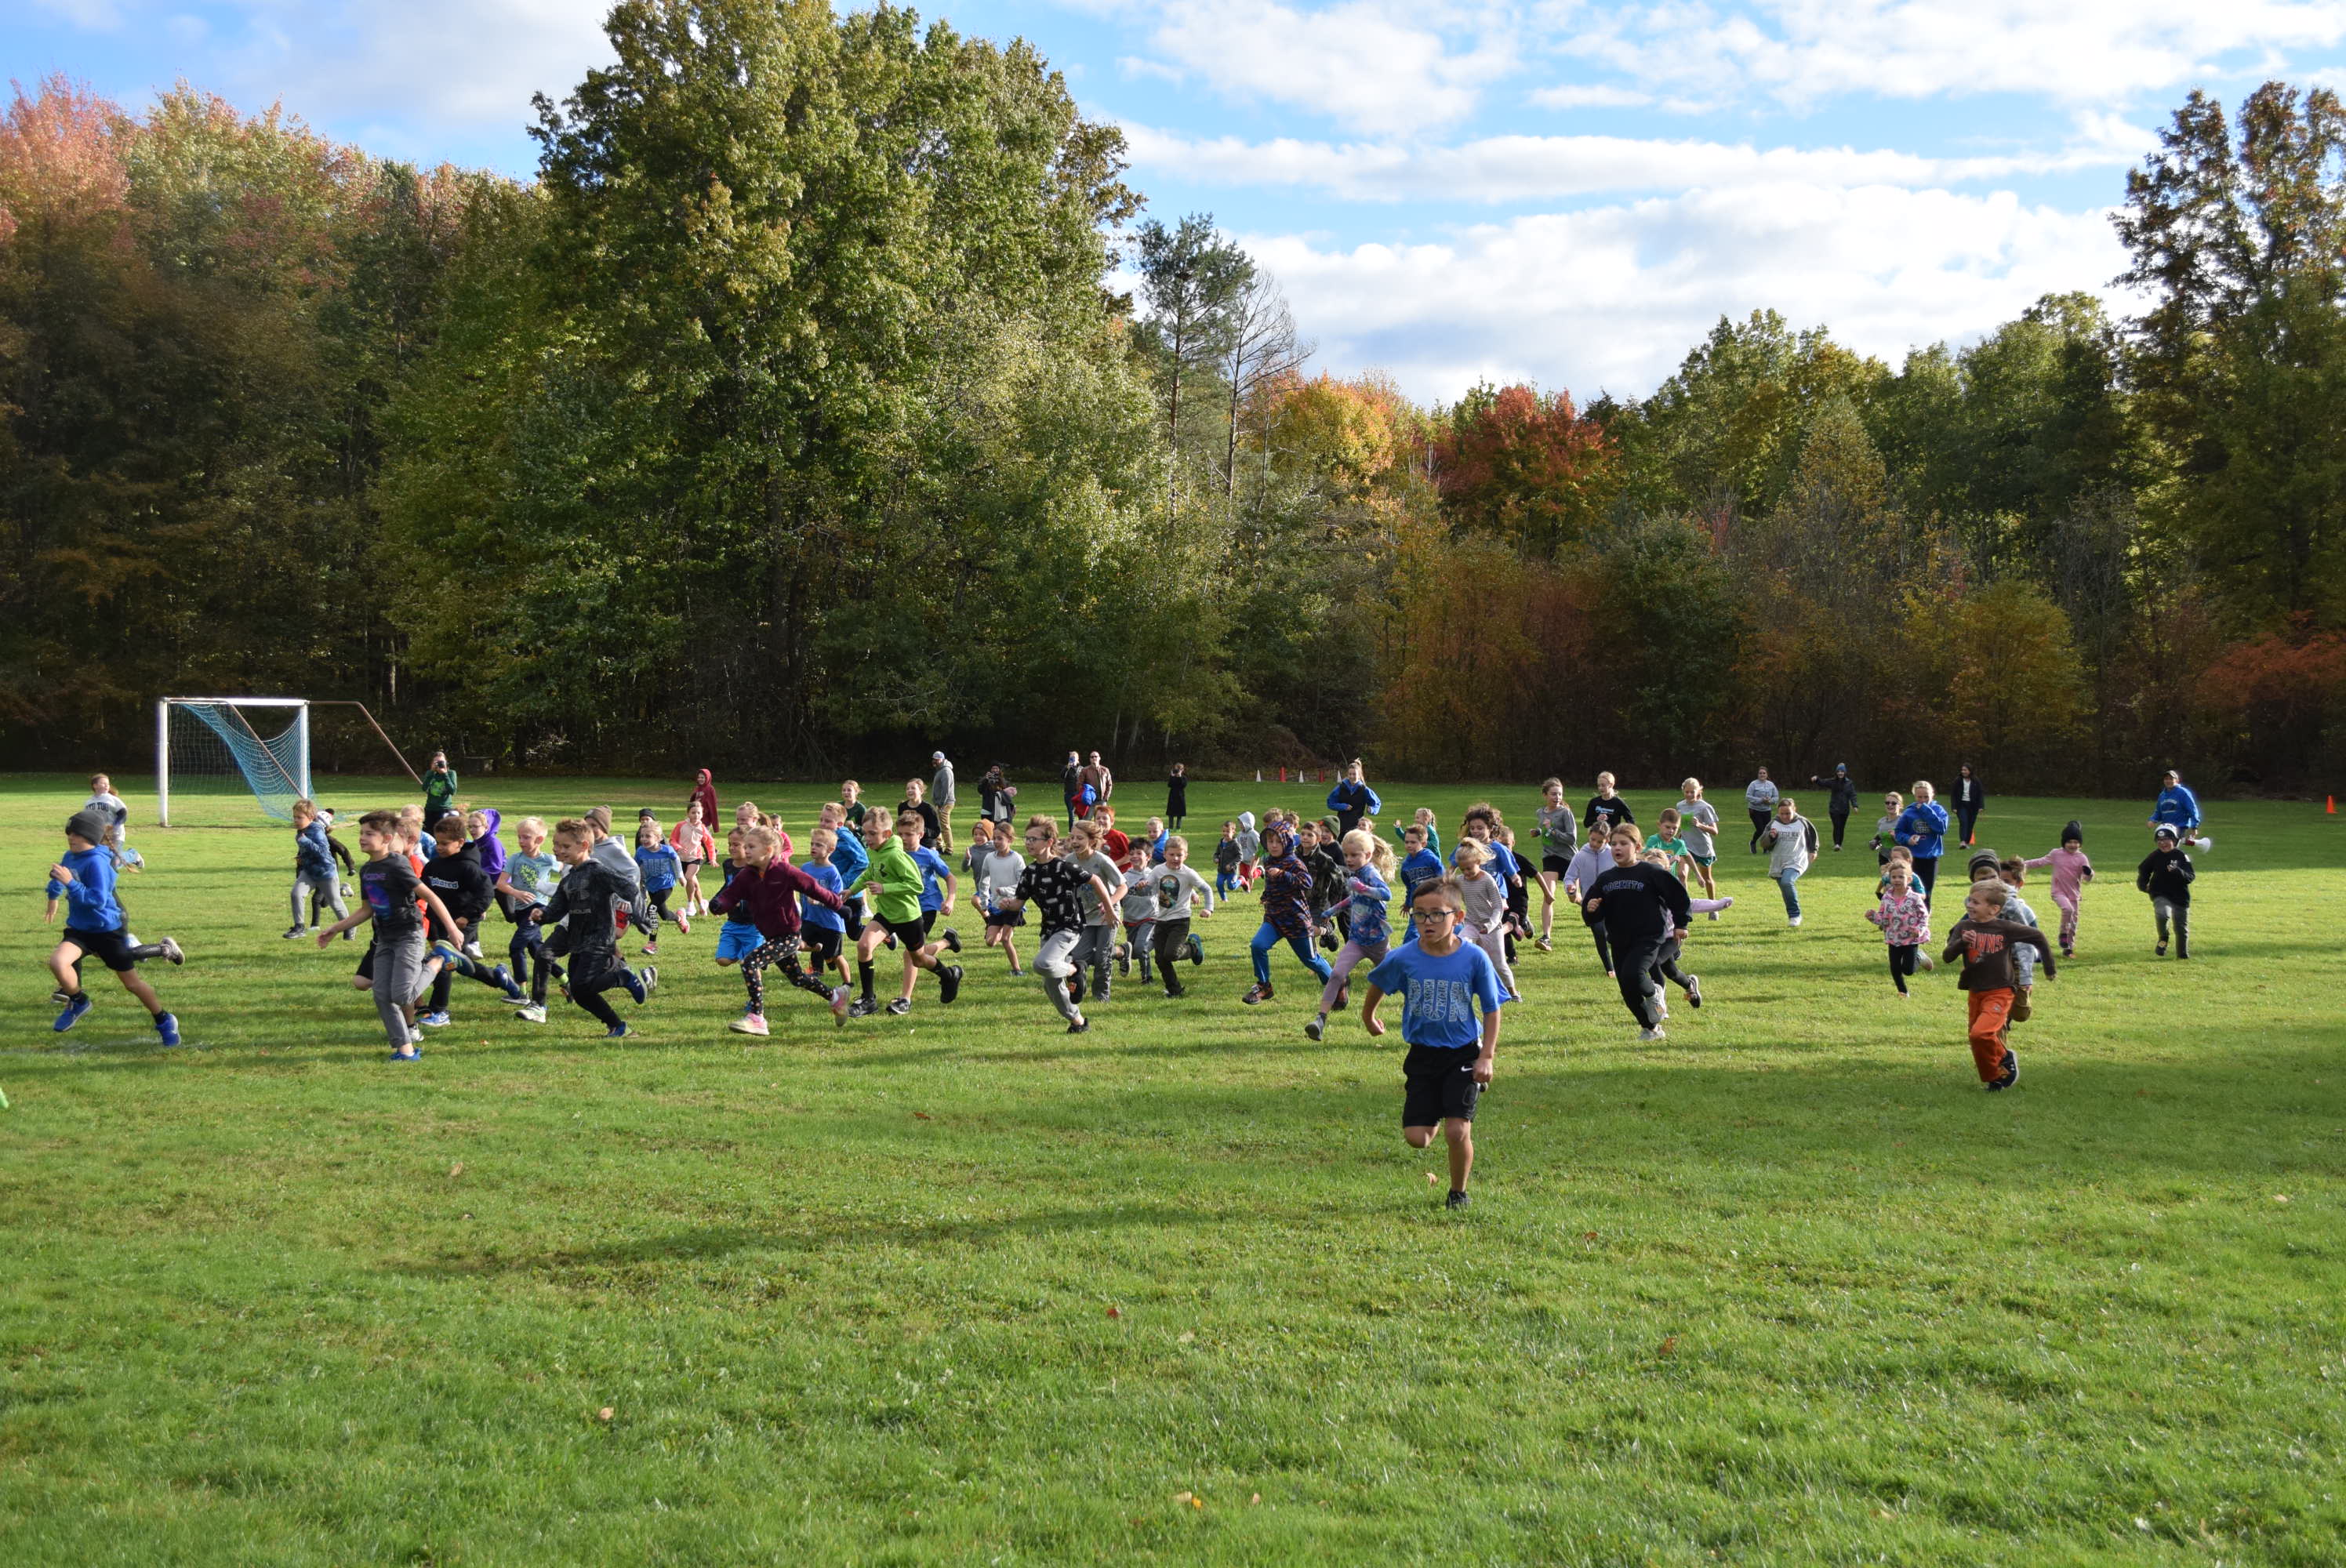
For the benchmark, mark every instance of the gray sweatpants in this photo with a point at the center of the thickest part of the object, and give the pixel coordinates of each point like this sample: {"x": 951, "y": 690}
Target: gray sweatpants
{"x": 398, "y": 978}
{"x": 1055, "y": 962}
{"x": 328, "y": 890}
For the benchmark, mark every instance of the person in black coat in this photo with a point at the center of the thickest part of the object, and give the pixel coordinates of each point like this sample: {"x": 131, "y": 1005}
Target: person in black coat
{"x": 1841, "y": 798}
{"x": 1177, "y": 796}
{"x": 1969, "y": 800}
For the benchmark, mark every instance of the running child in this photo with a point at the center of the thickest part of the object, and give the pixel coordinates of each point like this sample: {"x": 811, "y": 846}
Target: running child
{"x": 591, "y": 905}
{"x": 95, "y": 927}
{"x": 1559, "y": 836}
{"x": 528, "y": 881}
{"x": 895, "y": 880}
{"x": 1286, "y": 915}
{"x": 1983, "y": 866}
{"x": 2166, "y": 874}
{"x": 1137, "y": 909}
{"x": 1226, "y": 860}
{"x": 1984, "y": 941}
{"x": 1097, "y": 946}
{"x": 769, "y": 888}
{"x": 1177, "y": 890}
{"x": 661, "y": 868}
{"x": 1368, "y": 870}
{"x": 1606, "y": 810}
{"x": 1667, "y": 838}
{"x": 995, "y": 877}
{"x": 1885, "y": 828}
{"x": 1590, "y": 861}
{"x": 695, "y": 847}
{"x": 1665, "y": 972}
{"x": 1249, "y": 849}
{"x": 1441, "y": 979}
{"x": 465, "y": 890}
{"x": 392, "y": 895}
{"x": 1421, "y": 861}
{"x": 1643, "y": 907}
{"x": 939, "y": 890}
{"x": 1699, "y": 826}
{"x": 1485, "y": 900}
{"x": 822, "y": 927}
{"x": 1055, "y": 884}
{"x": 2070, "y": 871}
{"x": 314, "y": 874}
{"x": 1905, "y": 921}
{"x": 1423, "y": 820}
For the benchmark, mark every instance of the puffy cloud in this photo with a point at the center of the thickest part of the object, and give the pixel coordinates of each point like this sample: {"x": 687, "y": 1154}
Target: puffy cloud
{"x": 1804, "y": 51}
{"x": 1374, "y": 65}
{"x": 1510, "y": 169}
{"x": 1612, "y": 296}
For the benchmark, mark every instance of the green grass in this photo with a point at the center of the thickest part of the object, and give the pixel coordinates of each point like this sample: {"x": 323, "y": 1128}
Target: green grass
{"x": 960, "y": 1289}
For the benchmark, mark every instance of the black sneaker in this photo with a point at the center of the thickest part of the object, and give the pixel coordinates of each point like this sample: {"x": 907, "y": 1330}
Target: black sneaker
{"x": 1458, "y": 1199}
{"x": 1328, "y": 940}
{"x": 1694, "y": 989}
{"x": 297, "y": 932}
{"x": 2160, "y": 951}
{"x": 2010, "y": 1074}
{"x": 1124, "y": 958}
{"x": 948, "y": 983}
{"x": 862, "y": 1007}
{"x": 1316, "y": 1028}
{"x": 899, "y": 1007}
{"x": 1081, "y": 1025}
{"x": 953, "y": 939}
{"x": 1256, "y": 995}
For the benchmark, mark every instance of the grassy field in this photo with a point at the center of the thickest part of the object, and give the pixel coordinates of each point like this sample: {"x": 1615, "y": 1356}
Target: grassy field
{"x": 959, "y": 1288}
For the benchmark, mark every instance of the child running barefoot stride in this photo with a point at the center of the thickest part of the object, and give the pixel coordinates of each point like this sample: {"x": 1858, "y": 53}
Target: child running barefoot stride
{"x": 1905, "y": 921}
{"x": 1286, "y": 914}
{"x": 1984, "y": 941}
{"x": 2071, "y": 872}
{"x": 1441, "y": 980}
{"x": 1368, "y": 889}
{"x": 96, "y": 927}
{"x": 769, "y": 888}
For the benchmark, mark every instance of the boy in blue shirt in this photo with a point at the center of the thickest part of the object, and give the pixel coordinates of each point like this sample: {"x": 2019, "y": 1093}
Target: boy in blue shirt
{"x": 821, "y": 928}
{"x": 84, "y": 879}
{"x": 1441, "y": 979}
{"x": 661, "y": 869}
{"x": 937, "y": 887}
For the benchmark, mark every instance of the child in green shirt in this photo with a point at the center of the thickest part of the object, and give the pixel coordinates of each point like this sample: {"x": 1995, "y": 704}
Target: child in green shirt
{"x": 895, "y": 879}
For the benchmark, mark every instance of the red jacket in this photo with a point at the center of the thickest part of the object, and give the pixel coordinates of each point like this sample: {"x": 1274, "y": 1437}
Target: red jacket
{"x": 770, "y": 897}
{"x": 704, "y": 789}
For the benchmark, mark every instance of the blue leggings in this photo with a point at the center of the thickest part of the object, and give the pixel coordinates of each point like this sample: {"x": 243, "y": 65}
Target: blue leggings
{"x": 1266, "y": 937}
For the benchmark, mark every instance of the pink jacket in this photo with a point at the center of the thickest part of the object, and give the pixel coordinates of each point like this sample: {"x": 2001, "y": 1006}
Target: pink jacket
{"x": 2069, "y": 870}
{"x": 1905, "y": 921}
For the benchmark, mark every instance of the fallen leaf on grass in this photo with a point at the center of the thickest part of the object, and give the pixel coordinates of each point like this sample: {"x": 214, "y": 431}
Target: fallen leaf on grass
{"x": 2281, "y": 1197}
{"x": 605, "y": 1414}
{"x": 1671, "y": 1345}
{"x": 1114, "y": 1312}
{"x": 1189, "y": 1337}
{"x": 1589, "y": 1236}
{"x": 922, "y": 1116}
{"x": 1431, "y": 1180}
{"x": 457, "y": 1170}
{"x": 1256, "y": 1498}
{"x": 1191, "y": 1498}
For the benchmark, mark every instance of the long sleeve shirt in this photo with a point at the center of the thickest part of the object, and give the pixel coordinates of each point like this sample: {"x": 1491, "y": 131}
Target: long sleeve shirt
{"x": 1287, "y": 896}
{"x": 1922, "y": 828}
{"x": 90, "y": 904}
{"x": 895, "y": 880}
{"x": 1904, "y": 919}
{"x": 2177, "y": 806}
{"x": 1639, "y": 900}
{"x": 1351, "y": 801}
{"x": 2070, "y": 870}
{"x": 1987, "y": 948}
{"x": 2166, "y": 874}
{"x": 771, "y": 896}
{"x": 1760, "y": 795}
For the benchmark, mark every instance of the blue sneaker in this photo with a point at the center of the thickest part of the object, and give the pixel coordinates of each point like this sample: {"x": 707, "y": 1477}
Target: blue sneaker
{"x": 445, "y": 951}
{"x": 412, "y": 1053}
{"x": 504, "y": 977}
{"x": 73, "y": 1013}
{"x": 168, "y": 1028}
{"x": 618, "y": 1031}
{"x": 432, "y": 1019}
{"x": 634, "y": 984}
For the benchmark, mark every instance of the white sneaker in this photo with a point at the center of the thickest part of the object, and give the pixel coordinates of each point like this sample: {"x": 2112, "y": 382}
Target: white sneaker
{"x": 1654, "y": 1033}
{"x": 1794, "y": 921}
{"x": 1928, "y": 962}
{"x": 1662, "y": 1006}
{"x": 531, "y": 1013}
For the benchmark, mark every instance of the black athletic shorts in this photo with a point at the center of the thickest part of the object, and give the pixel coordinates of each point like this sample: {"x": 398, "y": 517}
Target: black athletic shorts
{"x": 110, "y": 948}
{"x": 822, "y": 943}
{"x": 1556, "y": 865}
{"x": 1007, "y": 918}
{"x": 928, "y": 921}
{"x": 909, "y": 933}
{"x": 1441, "y": 1083}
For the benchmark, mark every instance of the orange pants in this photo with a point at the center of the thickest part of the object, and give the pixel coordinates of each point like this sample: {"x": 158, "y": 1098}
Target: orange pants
{"x": 1991, "y": 1017}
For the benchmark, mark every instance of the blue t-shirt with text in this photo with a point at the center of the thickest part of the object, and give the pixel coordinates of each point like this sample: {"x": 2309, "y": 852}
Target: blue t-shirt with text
{"x": 1438, "y": 994}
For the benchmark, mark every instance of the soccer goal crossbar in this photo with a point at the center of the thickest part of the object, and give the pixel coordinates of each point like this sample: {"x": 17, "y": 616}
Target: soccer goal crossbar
{"x": 216, "y": 745}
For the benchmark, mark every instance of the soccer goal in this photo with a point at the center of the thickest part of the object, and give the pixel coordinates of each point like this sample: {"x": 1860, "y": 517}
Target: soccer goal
{"x": 213, "y": 753}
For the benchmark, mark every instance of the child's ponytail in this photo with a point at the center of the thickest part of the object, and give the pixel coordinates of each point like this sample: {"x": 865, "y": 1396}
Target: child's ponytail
{"x": 1380, "y": 853}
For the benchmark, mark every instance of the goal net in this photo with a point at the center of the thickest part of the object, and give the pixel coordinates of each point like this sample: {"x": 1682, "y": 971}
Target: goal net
{"x": 218, "y": 757}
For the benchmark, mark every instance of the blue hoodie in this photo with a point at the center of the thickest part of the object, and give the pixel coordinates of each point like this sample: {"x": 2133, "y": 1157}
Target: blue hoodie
{"x": 1921, "y": 828}
{"x": 2178, "y": 808}
{"x": 89, "y": 897}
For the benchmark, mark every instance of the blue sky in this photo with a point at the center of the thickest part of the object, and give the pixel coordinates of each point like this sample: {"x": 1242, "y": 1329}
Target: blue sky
{"x": 1560, "y": 191}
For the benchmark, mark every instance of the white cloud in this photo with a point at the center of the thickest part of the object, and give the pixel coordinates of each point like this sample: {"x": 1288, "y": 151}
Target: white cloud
{"x": 1611, "y": 298}
{"x": 1802, "y": 51}
{"x": 97, "y": 15}
{"x": 1578, "y": 96}
{"x": 1527, "y": 167}
{"x": 1374, "y": 65}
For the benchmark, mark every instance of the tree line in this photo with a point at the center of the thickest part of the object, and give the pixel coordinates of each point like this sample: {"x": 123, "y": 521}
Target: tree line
{"x": 825, "y": 397}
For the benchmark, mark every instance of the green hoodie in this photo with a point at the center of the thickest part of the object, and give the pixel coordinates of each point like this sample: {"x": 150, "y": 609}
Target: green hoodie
{"x": 891, "y": 871}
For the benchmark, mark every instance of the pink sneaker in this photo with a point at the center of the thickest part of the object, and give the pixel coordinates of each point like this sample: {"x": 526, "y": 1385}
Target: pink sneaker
{"x": 750, "y": 1023}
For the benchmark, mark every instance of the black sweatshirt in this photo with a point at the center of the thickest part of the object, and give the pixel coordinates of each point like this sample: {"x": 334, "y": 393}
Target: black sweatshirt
{"x": 2166, "y": 874}
{"x": 1639, "y": 900}
{"x": 461, "y": 883}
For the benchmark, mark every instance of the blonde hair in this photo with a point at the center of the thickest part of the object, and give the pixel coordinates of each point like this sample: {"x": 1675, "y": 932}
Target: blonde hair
{"x": 1605, "y": 779}
{"x": 1445, "y": 885}
{"x": 1656, "y": 857}
{"x": 1175, "y": 839}
{"x": 1046, "y": 826}
{"x": 1993, "y": 892}
{"x": 820, "y": 834}
{"x": 570, "y": 828}
{"x": 1380, "y": 853}
{"x": 1469, "y": 854}
{"x": 751, "y": 837}
{"x": 531, "y": 825}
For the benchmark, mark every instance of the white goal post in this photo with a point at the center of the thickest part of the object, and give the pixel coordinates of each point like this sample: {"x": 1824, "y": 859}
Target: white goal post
{"x": 235, "y": 746}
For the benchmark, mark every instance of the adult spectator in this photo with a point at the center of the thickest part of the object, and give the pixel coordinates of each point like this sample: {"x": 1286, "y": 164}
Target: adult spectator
{"x": 1759, "y": 801}
{"x": 439, "y": 788}
{"x": 1177, "y": 796}
{"x": 1841, "y": 800}
{"x": 1094, "y": 778}
{"x": 2178, "y": 808}
{"x": 1970, "y": 798}
{"x": 1351, "y": 799}
{"x": 1922, "y": 831}
{"x": 1071, "y": 784}
{"x": 942, "y": 795}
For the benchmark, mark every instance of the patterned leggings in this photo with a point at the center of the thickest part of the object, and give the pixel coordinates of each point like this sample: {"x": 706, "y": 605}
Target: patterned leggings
{"x": 782, "y": 951}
